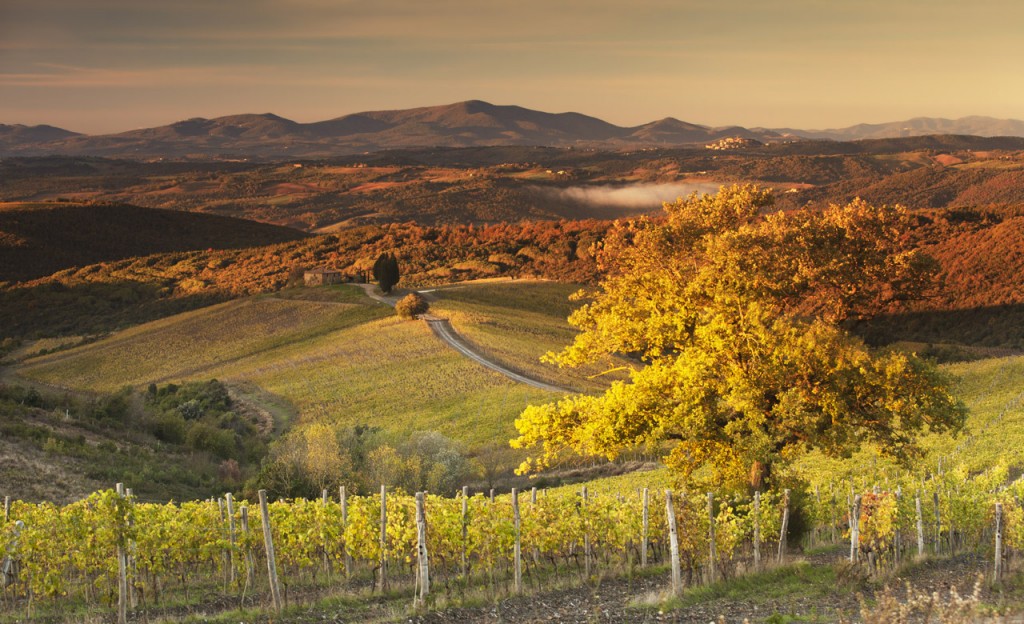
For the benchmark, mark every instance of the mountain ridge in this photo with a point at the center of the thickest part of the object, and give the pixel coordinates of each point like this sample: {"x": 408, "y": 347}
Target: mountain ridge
{"x": 974, "y": 125}
{"x": 472, "y": 123}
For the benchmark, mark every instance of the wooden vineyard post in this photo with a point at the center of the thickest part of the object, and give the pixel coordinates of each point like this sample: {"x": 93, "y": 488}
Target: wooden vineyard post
{"x": 673, "y": 544}
{"x": 533, "y": 509}
{"x": 465, "y": 530}
{"x": 712, "y": 554}
{"x": 423, "y": 569}
{"x": 383, "y": 578}
{"x": 757, "y": 531}
{"x": 832, "y": 506}
{"x": 129, "y": 559}
{"x": 325, "y": 498}
{"x": 250, "y": 563}
{"x": 920, "y": 525}
{"x": 938, "y": 523}
{"x": 997, "y": 572}
{"x": 854, "y": 529}
{"x": 586, "y": 534}
{"x": 343, "y": 501}
{"x": 492, "y": 495}
{"x": 898, "y": 538}
{"x": 816, "y": 532}
{"x": 785, "y": 525}
{"x": 7, "y": 509}
{"x": 230, "y": 502}
{"x": 222, "y": 508}
{"x": 268, "y": 541}
{"x": 122, "y": 568}
{"x": 645, "y": 529}
{"x": 517, "y": 555}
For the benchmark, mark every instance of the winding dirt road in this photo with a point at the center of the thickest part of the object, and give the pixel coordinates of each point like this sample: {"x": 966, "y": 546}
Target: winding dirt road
{"x": 444, "y": 330}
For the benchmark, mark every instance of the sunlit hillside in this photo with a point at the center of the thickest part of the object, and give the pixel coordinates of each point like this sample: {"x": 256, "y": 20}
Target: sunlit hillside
{"x": 335, "y": 354}
{"x": 350, "y": 362}
{"x": 993, "y": 391}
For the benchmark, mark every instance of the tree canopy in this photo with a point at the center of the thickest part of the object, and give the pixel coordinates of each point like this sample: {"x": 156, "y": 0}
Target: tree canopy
{"x": 411, "y": 306}
{"x": 385, "y": 271}
{"x": 733, "y": 321}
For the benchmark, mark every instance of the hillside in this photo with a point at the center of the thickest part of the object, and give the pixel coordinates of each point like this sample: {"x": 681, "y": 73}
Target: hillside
{"x": 979, "y": 300}
{"x": 320, "y": 352}
{"x": 116, "y": 294}
{"x": 303, "y": 356}
{"x": 918, "y": 126}
{"x": 13, "y": 136}
{"x": 388, "y": 188}
{"x": 60, "y": 445}
{"x": 316, "y": 354}
{"x": 38, "y": 239}
{"x": 470, "y": 123}
{"x": 485, "y": 185}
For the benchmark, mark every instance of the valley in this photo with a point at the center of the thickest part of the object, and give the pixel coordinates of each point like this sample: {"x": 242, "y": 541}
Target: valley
{"x": 156, "y": 331}
{"x": 462, "y": 312}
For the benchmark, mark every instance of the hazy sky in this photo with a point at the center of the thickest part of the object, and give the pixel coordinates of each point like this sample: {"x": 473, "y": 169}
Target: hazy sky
{"x": 110, "y": 65}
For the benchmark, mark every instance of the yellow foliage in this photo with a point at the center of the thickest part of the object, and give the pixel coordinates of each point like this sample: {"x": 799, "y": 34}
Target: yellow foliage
{"x": 732, "y": 319}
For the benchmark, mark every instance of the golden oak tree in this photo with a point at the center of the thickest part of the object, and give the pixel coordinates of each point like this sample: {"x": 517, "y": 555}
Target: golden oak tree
{"x": 733, "y": 320}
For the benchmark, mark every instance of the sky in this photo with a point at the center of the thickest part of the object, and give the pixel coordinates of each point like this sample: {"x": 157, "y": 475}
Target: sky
{"x": 99, "y": 66}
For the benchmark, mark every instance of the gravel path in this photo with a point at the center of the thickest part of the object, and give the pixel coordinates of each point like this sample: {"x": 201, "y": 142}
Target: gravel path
{"x": 444, "y": 330}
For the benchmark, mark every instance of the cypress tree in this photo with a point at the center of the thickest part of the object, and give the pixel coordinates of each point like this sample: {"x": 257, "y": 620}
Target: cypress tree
{"x": 385, "y": 271}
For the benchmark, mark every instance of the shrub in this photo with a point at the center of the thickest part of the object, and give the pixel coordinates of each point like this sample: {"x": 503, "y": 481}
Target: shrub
{"x": 411, "y": 305}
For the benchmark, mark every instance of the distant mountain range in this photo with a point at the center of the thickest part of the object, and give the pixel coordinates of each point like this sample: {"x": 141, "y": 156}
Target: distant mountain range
{"x": 918, "y": 126}
{"x": 464, "y": 124}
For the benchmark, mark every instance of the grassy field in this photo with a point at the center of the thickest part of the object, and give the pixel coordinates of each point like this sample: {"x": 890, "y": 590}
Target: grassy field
{"x": 993, "y": 392}
{"x": 335, "y": 355}
{"x": 197, "y": 345}
{"x": 517, "y": 322}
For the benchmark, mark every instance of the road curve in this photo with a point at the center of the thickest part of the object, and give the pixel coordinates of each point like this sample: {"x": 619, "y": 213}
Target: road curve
{"x": 444, "y": 330}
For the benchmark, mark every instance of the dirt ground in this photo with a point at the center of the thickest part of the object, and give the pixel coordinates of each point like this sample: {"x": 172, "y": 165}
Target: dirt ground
{"x": 622, "y": 600}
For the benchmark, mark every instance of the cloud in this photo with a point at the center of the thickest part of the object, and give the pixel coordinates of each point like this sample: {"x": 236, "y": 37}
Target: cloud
{"x": 631, "y": 196}
{"x": 52, "y": 75}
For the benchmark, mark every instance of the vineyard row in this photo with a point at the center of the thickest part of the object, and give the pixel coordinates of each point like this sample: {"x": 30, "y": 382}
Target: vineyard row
{"x": 110, "y": 551}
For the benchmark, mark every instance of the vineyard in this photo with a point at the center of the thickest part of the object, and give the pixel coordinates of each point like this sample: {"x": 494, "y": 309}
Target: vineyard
{"x": 111, "y": 552}
{"x": 328, "y": 361}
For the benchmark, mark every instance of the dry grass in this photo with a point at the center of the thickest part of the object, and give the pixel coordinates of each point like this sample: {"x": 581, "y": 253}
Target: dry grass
{"x": 348, "y": 363}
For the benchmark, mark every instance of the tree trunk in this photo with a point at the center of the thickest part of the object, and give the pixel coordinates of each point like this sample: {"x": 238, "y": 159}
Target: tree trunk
{"x": 759, "y": 475}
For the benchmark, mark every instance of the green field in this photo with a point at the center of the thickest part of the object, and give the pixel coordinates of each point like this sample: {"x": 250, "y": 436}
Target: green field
{"x": 992, "y": 389}
{"x": 350, "y": 363}
{"x": 517, "y": 322}
{"x": 334, "y": 354}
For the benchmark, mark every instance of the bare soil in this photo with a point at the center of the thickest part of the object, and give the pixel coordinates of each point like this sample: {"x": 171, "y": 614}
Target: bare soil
{"x": 625, "y": 600}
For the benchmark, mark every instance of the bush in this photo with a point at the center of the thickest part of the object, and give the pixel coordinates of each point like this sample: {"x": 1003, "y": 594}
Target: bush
{"x": 169, "y": 427}
{"x": 411, "y": 305}
{"x": 204, "y": 437}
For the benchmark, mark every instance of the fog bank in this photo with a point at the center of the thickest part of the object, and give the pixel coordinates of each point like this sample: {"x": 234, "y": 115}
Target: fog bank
{"x": 632, "y": 196}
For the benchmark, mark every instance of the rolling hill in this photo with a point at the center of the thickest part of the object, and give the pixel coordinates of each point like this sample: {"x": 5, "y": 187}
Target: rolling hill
{"x": 38, "y": 239}
{"x": 17, "y": 134}
{"x": 327, "y": 359}
{"x": 472, "y": 123}
{"x": 918, "y": 126}
{"x": 323, "y": 359}
{"x": 463, "y": 124}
